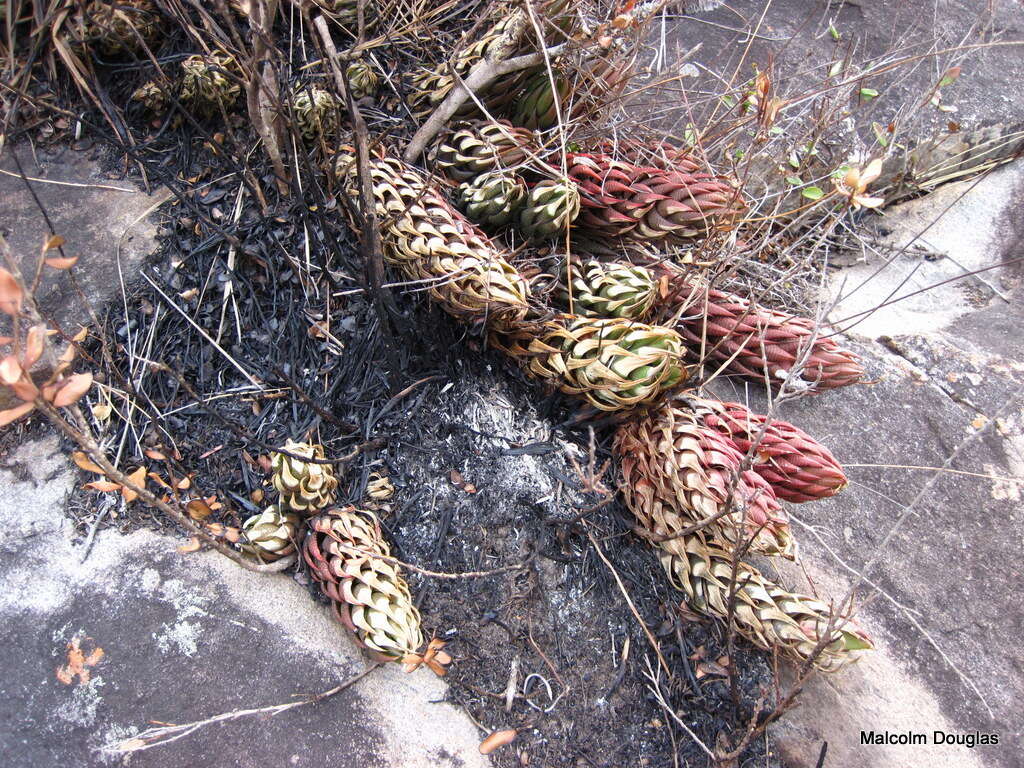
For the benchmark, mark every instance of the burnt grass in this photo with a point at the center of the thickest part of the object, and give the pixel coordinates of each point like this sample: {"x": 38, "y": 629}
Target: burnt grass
{"x": 478, "y": 456}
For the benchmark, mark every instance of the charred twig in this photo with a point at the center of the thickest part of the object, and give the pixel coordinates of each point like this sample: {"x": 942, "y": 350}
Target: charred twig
{"x": 165, "y": 734}
{"x": 629, "y": 601}
{"x": 383, "y": 301}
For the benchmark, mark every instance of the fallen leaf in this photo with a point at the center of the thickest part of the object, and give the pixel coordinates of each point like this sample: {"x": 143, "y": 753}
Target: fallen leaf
{"x": 84, "y": 462}
{"x": 102, "y": 411}
{"x": 138, "y": 477}
{"x": 53, "y": 243}
{"x": 79, "y": 661}
{"x": 185, "y": 483}
{"x": 61, "y": 262}
{"x": 155, "y": 455}
{"x": 192, "y": 545}
{"x": 496, "y": 740}
{"x": 105, "y": 486}
{"x": 198, "y": 509}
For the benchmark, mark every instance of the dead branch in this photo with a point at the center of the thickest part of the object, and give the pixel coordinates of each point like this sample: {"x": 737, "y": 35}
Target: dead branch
{"x": 483, "y": 74}
{"x": 154, "y": 737}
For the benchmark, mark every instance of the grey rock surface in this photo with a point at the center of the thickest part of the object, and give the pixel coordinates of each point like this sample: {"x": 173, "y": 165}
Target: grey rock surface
{"x": 179, "y": 638}
{"x": 942, "y": 370}
{"x": 104, "y": 223}
{"x": 911, "y": 274}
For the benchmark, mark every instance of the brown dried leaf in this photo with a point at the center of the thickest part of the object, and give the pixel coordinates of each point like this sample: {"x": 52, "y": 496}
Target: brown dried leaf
{"x": 78, "y": 662}
{"x": 185, "y": 483}
{"x": 84, "y": 462}
{"x": 105, "y": 486}
{"x": 73, "y": 389}
{"x": 61, "y": 262}
{"x": 138, "y": 477}
{"x": 79, "y": 337}
{"x": 11, "y": 295}
{"x": 192, "y": 545}
{"x": 159, "y": 480}
{"x": 198, "y": 509}
{"x": 155, "y": 455}
{"x": 102, "y": 411}
{"x": 496, "y": 740}
{"x": 13, "y": 414}
{"x": 53, "y": 243}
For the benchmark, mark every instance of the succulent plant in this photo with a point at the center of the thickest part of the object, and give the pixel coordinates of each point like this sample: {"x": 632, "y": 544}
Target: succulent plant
{"x": 316, "y": 112}
{"x": 474, "y": 148}
{"x": 304, "y": 486}
{"x": 678, "y": 473}
{"x": 271, "y": 533}
{"x": 429, "y": 240}
{"x": 210, "y": 83}
{"x": 602, "y": 289}
{"x": 794, "y": 464}
{"x": 492, "y": 199}
{"x": 614, "y": 364}
{"x": 757, "y": 342}
{"x": 345, "y": 552}
{"x": 362, "y": 79}
{"x": 549, "y": 209}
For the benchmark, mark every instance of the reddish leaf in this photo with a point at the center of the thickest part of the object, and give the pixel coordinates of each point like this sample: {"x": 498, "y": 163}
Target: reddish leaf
{"x": 10, "y": 370}
{"x": 62, "y": 262}
{"x": 11, "y": 295}
{"x": 84, "y": 462}
{"x": 25, "y": 389}
{"x": 73, "y": 389}
{"x": 155, "y": 455}
{"x": 198, "y": 509}
{"x": 497, "y": 739}
{"x": 192, "y": 545}
{"x": 106, "y": 486}
{"x": 13, "y": 414}
{"x": 34, "y": 345}
{"x": 138, "y": 477}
